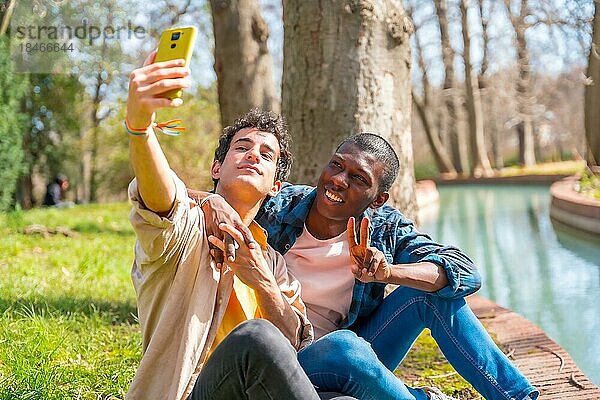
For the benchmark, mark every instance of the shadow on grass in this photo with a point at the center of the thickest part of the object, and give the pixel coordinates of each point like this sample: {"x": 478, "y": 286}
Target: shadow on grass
{"x": 115, "y": 312}
{"x": 92, "y": 227}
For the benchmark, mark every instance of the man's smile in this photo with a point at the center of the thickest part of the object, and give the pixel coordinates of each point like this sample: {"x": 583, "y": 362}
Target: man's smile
{"x": 333, "y": 197}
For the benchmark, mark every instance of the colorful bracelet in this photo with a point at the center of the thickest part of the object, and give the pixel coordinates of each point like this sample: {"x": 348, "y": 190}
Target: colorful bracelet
{"x": 172, "y": 127}
{"x": 134, "y": 131}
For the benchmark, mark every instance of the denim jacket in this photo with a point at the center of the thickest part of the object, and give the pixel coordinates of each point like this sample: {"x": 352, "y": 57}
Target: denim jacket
{"x": 283, "y": 217}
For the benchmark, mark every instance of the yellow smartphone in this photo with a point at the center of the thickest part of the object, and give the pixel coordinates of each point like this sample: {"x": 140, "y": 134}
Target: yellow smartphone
{"x": 176, "y": 43}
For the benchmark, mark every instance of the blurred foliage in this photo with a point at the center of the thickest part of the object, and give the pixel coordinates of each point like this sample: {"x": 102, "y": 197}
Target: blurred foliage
{"x": 52, "y": 103}
{"x": 11, "y": 126}
{"x": 190, "y": 154}
{"x": 589, "y": 184}
{"x": 426, "y": 170}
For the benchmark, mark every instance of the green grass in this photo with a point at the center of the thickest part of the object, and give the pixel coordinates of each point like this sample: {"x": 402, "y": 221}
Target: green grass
{"x": 68, "y": 327}
{"x": 425, "y": 365}
{"x": 549, "y": 168}
{"x": 67, "y": 307}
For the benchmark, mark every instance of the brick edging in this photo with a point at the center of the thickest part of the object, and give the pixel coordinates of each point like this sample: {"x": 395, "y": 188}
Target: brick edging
{"x": 547, "y": 365}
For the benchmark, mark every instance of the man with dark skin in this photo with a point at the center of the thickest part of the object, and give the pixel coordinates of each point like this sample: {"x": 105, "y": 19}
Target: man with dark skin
{"x": 362, "y": 336}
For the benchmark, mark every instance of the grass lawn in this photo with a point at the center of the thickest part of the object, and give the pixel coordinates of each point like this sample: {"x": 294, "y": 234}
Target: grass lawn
{"x": 68, "y": 326}
{"x": 550, "y": 168}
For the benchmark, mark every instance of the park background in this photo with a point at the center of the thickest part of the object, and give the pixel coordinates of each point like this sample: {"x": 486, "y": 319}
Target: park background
{"x": 464, "y": 90}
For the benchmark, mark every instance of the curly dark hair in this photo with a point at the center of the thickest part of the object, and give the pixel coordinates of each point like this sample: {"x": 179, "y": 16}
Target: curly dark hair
{"x": 265, "y": 121}
{"x": 382, "y": 151}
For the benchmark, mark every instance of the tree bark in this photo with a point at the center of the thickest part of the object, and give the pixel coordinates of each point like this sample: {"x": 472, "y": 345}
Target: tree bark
{"x": 347, "y": 70}
{"x": 458, "y": 140}
{"x": 243, "y": 64}
{"x": 524, "y": 97}
{"x": 480, "y": 163}
{"x": 592, "y": 95}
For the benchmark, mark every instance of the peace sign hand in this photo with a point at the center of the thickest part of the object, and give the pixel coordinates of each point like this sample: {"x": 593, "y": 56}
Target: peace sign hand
{"x": 370, "y": 264}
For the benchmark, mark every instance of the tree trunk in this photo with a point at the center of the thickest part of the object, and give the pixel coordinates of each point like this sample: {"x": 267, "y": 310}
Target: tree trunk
{"x": 25, "y": 192}
{"x": 592, "y": 96}
{"x": 494, "y": 126}
{"x": 496, "y": 136}
{"x": 524, "y": 97}
{"x": 456, "y": 132}
{"x": 6, "y": 11}
{"x": 347, "y": 70}
{"x": 91, "y": 178}
{"x": 480, "y": 164}
{"x": 424, "y": 109}
{"x": 243, "y": 63}
{"x": 442, "y": 160}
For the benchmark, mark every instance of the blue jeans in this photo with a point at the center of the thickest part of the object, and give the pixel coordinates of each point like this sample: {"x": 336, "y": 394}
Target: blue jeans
{"x": 361, "y": 362}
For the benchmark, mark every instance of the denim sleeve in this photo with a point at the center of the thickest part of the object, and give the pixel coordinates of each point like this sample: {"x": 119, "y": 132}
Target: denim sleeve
{"x": 413, "y": 246}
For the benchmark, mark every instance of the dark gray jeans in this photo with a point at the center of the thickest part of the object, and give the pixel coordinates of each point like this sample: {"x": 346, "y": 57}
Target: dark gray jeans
{"x": 255, "y": 361}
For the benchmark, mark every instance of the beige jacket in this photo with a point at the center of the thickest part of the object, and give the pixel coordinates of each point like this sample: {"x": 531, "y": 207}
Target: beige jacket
{"x": 182, "y": 296}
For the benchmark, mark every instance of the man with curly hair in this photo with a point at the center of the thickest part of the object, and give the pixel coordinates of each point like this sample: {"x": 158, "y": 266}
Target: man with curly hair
{"x": 227, "y": 331}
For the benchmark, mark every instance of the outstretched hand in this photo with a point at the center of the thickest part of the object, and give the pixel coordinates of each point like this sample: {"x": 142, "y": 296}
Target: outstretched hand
{"x": 369, "y": 263}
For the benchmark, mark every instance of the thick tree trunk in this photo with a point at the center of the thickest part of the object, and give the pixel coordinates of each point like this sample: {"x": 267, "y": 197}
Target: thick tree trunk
{"x": 25, "y": 192}
{"x": 458, "y": 140}
{"x": 347, "y": 70}
{"x": 480, "y": 164}
{"x": 243, "y": 63}
{"x": 592, "y": 96}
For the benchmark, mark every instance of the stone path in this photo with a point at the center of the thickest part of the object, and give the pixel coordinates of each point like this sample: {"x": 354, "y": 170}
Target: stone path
{"x": 547, "y": 365}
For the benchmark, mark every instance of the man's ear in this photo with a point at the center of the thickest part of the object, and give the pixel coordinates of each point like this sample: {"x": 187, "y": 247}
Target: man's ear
{"x": 215, "y": 170}
{"x": 275, "y": 189}
{"x": 380, "y": 200}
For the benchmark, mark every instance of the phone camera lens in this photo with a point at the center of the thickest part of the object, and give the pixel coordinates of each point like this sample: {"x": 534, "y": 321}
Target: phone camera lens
{"x": 173, "y": 45}
{"x": 175, "y": 35}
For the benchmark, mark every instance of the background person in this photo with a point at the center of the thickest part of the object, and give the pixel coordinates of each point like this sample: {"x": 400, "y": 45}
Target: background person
{"x": 55, "y": 192}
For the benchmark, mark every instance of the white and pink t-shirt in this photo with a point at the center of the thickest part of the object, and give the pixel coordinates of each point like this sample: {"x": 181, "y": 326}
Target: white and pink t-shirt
{"x": 323, "y": 269}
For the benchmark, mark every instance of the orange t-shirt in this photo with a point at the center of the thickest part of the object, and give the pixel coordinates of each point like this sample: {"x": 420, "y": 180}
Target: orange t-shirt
{"x": 242, "y": 304}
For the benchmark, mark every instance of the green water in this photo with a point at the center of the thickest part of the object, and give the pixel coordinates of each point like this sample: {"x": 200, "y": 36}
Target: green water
{"x": 545, "y": 272}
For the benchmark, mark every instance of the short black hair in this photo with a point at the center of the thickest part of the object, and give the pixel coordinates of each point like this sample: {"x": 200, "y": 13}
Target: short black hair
{"x": 382, "y": 151}
{"x": 60, "y": 178}
{"x": 265, "y": 121}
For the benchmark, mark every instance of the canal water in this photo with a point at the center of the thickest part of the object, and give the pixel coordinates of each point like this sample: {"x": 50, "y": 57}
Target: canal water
{"x": 545, "y": 272}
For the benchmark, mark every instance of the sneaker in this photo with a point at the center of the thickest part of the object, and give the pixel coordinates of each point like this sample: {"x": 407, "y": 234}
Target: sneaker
{"x": 436, "y": 394}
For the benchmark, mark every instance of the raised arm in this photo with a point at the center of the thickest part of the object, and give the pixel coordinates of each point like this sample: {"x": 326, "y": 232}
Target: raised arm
{"x": 149, "y": 163}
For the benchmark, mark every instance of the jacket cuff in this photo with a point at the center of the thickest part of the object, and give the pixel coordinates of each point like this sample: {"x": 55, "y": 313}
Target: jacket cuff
{"x": 452, "y": 274}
